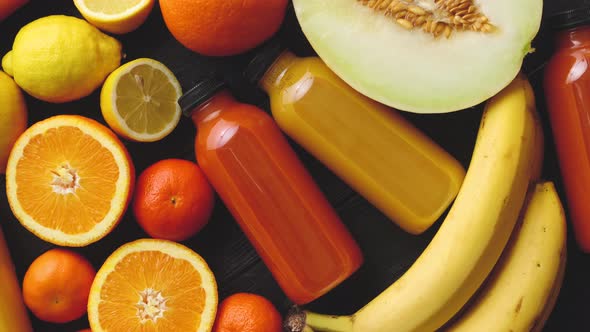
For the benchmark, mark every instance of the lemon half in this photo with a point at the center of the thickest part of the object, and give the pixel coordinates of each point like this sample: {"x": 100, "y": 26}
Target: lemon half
{"x": 139, "y": 100}
{"x": 121, "y": 16}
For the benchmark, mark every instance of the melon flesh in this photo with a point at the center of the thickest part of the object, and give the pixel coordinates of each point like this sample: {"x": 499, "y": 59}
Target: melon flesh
{"x": 411, "y": 70}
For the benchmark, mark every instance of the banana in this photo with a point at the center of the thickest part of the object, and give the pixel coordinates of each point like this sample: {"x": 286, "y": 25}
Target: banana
{"x": 523, "y": 286}
{"x": 470, "y": 240}
{"x": 542, "y": 319}
{"x": 539, "y": 134}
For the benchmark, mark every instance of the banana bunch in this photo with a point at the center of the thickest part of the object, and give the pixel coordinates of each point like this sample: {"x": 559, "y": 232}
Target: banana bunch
{"x": 506, "y": 160}
{"x": 520, "y": 293}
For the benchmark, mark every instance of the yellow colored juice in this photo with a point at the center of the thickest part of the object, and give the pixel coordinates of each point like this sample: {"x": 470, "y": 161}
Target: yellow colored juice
{"x": 371, "y": 147}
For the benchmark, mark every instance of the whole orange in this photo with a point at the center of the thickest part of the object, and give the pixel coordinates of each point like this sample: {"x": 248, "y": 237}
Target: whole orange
{"x": 173, "y": 200}
{"x": 245, "y": 312}
{"x": 222, "y": 28}
{"x": 57, "y": 284}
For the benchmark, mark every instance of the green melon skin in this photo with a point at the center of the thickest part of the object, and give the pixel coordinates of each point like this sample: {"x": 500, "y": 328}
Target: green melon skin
{"x": 411, "y": 70}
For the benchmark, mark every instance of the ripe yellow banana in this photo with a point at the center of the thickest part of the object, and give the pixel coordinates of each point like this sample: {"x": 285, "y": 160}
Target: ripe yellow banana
{"x": 527, "y": 278}
{"x": 470, "y": 240}
{"x": 13, "y": 315}
{"x": 539, "y": 134}
{"x": 542, "y": 319}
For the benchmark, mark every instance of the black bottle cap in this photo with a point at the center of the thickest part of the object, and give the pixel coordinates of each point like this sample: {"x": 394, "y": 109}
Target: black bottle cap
{"x": 200, "y": 93}
{"x": 262, "y": 61}
{"x": 569, "y": 19}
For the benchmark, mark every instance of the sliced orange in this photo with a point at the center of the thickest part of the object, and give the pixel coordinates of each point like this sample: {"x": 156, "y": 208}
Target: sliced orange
{"x": 69, "y": 180}
{"x": 153, "y": 285}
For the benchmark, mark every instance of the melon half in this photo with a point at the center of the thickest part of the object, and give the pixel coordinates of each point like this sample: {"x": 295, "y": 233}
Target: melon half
{"x": 423, "y": 56}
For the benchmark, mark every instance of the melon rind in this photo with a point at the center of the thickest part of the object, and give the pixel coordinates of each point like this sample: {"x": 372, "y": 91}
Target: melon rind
{"x": 412, "y": 71}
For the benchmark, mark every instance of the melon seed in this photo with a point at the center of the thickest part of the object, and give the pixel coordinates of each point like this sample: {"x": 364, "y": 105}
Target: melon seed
{"x": 441, "y": 17}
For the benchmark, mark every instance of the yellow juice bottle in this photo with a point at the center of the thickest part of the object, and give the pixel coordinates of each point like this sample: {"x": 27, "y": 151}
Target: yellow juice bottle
{"x": 382, "y": 156}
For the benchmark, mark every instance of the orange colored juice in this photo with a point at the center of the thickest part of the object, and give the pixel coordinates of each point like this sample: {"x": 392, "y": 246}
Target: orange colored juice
{"x": 371, "y": 147}
{"x": 273, "y": 198}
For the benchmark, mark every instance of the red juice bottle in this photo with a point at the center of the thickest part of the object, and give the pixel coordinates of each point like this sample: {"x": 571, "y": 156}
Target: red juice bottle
{"x": 268, "y": 191}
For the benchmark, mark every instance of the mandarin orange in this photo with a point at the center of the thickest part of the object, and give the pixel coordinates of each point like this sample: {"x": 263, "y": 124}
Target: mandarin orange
{"x": 57, "y": 284}
{"x": 173, "y": 200}
{"x": 245, "y": 312}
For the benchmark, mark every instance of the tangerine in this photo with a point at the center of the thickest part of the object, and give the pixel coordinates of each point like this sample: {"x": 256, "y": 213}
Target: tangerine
{"x": 57, "y": 284}
{"x": 173, "y": 200}
{"x": 246, "y": 312}
{"x": 222, "y": 28}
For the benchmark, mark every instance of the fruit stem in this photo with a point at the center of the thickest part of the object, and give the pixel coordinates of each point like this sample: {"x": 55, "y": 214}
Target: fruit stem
{"x": 305, "y": 321}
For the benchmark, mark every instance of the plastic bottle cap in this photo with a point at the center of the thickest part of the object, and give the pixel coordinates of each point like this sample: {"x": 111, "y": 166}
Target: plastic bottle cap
{"x": 199, "y": 94}
{"x": 570, "y": 18}
{"x": 262, "y": 61}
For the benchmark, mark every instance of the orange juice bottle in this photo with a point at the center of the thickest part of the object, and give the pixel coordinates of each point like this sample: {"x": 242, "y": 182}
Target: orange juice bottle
{"x": 371, "y": 147}
{"x": 266, "y": 188}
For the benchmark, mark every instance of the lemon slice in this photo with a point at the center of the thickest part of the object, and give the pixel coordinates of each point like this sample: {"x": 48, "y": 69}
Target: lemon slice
{"x": 120, "y": 16}
{"x": 139, "y": 100}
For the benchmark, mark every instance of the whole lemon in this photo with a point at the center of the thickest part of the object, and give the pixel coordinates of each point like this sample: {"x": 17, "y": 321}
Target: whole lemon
{"x": 61, "y": 58}
{"x": 13, "y": 117}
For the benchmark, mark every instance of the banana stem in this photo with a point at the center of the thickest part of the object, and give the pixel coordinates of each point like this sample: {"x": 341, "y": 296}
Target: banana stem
{"x": 304, "y": 321}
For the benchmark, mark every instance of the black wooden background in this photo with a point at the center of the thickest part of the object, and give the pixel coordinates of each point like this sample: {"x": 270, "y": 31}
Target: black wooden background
{"x": 388, "y": 250}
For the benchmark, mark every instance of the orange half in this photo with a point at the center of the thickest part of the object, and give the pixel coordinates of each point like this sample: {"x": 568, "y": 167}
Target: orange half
{"x": 69, "y": 180}
{"x": 153, "y": 285}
